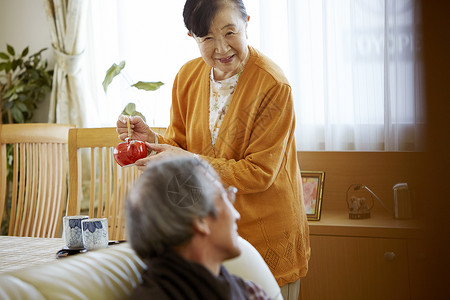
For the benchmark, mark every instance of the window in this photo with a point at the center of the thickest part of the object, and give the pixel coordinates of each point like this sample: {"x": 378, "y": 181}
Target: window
{"x": 354, "y": 65}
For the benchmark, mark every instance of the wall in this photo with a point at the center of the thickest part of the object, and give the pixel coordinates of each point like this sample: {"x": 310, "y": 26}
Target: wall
{"x": 436, "y": 30}
{"x": 23, "y": 23}
{"x": 379, "y": 171}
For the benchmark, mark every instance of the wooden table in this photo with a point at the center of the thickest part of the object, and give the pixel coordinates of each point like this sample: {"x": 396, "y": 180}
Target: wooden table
{"x": 20, "y": 252}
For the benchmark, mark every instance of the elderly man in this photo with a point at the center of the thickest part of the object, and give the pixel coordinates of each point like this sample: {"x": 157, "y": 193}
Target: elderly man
{"x": 182, "y": 222}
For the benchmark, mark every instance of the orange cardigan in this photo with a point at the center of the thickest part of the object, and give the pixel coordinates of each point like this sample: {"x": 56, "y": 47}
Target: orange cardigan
{"x": 255, "y": 152}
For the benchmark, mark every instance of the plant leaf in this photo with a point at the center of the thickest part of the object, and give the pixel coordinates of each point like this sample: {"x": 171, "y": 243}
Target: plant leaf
{"x": 112, "y": 72}
{"x": 136, "y": 113}
{"x": 17, "y": 115}
{"x": 3, "y": 55}
{"x": 9, "y": 92}
{"x": 8, "y": 66}
{"x": 15, "y": 64}
{"x": 10, "y": 50}
{"x": 148, "y": 86}
{"x": 24, "y": 52}
{"x": 21, "y": 106}
{"x": 8, "y": 105}
{"x": 129, "y": 109}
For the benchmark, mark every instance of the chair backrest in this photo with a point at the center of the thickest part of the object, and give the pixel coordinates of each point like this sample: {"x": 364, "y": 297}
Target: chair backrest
{"x": 38, "y": 178}
{"x": 92, "y": 165}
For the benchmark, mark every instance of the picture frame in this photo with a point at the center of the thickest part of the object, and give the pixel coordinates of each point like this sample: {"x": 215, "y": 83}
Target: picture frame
{"x": 313, "y": 183}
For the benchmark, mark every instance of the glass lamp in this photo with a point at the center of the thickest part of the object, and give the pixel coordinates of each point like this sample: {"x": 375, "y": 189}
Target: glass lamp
{"x": 358, "y": 205}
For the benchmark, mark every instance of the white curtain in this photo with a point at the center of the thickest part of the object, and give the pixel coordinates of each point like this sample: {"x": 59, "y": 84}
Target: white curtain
{"x": 357, "y": 74}
{"x": 354, "y": 65}
{"x": 66, "y": 19}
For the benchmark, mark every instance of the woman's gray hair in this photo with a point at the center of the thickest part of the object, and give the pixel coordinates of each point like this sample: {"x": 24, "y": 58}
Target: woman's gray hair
{"x": 166, "y": 200}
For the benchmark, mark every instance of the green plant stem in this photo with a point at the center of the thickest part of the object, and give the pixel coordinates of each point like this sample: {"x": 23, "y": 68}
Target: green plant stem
{"x": 8, "y": 85}
{"x": 8, "y": 80}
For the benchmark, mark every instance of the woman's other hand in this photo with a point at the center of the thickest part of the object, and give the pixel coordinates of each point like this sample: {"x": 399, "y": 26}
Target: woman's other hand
{"x": 162, "y": 151}
{"x": 139, "y": 129}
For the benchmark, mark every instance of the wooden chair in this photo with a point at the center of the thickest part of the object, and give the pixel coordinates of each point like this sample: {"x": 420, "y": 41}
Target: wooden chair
{"x": 39, "y": 178}
{"x": 91, "y": 162}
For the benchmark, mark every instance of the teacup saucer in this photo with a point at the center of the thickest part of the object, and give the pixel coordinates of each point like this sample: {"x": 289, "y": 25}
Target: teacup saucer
{"x": 73, "y": 249}
{"x": 64, "y": 252}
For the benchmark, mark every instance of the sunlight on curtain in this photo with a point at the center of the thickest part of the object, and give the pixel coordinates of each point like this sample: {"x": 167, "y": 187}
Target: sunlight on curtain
{"x": 66, "y": 21}
{"x": 356, "y": 74}
{"x": 353, "y": 65}
{"x": 152, "y": 40}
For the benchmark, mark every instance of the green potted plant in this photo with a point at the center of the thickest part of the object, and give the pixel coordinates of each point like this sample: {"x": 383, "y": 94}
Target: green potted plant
{"x": 130, "y": 108}
{"x": 24, "y": 82}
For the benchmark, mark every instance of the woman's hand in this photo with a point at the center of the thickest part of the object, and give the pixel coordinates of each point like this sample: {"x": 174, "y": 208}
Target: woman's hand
{"x": 139, "y": 129}
{"x": 163, "y": 151}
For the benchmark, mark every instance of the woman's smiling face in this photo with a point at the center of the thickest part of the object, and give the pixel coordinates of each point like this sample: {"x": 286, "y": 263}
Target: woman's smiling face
{"x": 225, "y": 47}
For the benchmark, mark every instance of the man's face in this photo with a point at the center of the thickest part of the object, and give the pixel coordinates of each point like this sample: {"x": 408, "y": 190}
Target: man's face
{"x": 224, "y": 236}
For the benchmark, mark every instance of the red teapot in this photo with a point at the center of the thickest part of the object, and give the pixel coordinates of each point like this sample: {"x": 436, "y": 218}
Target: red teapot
{"x": 129, "y": 151}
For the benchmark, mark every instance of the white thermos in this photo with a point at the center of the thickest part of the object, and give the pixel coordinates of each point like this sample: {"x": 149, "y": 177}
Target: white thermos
{"x": 402, "y": 201}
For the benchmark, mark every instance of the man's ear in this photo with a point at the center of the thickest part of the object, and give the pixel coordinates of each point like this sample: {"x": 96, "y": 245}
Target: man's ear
{"x": 201, "y": 226}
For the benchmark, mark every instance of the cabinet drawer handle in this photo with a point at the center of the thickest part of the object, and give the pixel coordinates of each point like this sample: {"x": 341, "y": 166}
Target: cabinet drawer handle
{"x": 389, "y": 256}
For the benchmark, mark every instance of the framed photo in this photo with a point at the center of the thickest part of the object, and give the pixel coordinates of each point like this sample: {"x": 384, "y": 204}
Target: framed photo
{"x": 313, "y": 182}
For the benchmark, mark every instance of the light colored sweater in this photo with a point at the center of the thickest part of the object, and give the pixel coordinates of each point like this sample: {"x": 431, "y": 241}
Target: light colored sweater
{"x": 255, "y": 152}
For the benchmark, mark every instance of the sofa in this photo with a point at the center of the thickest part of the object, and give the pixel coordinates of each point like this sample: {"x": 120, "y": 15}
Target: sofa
{"x": 112, "y": 273}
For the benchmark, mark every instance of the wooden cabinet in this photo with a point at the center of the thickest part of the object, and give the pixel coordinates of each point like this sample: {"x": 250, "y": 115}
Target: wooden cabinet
{"x": 361, "y": 259}
{"x": 375, "y": 258}
{"x": 357, "y": 268}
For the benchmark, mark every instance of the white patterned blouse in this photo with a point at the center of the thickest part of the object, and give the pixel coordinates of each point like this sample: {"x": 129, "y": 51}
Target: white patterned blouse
{"x": 220, "y": 94}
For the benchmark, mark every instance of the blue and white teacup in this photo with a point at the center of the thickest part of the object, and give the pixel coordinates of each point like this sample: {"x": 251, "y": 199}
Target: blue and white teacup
{"x": 73, "y": 236}
{"x": 95, "y": 233}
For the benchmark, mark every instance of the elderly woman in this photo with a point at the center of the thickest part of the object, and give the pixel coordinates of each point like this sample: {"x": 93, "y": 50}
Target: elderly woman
{"x": 181, "y": 220}
{"x": 233, "y": 107}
